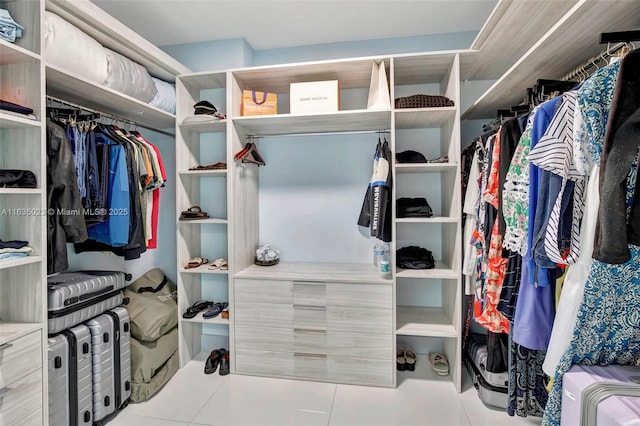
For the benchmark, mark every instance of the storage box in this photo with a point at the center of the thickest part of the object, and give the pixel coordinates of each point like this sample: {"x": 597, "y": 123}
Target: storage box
{"x": 258, "y": 103}
{"x": 315, "y": 97}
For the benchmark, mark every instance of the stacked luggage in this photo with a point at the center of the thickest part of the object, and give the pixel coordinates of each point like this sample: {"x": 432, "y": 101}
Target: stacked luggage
{"x": 492, "y": 387}
{"x": 89, "y": 361}
{"x": 151, "y": 301}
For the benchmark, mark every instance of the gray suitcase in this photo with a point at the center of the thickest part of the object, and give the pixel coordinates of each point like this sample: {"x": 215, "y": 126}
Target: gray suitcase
{"x": 495, "y": 393}
{"x": 111, "y": 345}
{"x": 70, "y": 378}
{"x": 74, "y": 297}
{"x": 477, "y": 350}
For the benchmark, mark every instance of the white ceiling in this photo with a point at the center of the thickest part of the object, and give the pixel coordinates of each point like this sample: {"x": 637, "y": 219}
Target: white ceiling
{"x": 271, "y": 24}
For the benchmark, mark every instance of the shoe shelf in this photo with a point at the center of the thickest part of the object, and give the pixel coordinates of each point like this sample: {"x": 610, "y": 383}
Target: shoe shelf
{"x": 12, "y": 263}
{"x": 204, "y": 269}
{"x": 200, "y": 319}
{"x": 10, "y": 121}
{"x": 10, "y": 331}
{"x": 206, "y": 127}
{"x": 424, "y": 321}
{"x": 423, "y": 371}
{"x": 421, "y": 118}
{"x": 203, "y": 173}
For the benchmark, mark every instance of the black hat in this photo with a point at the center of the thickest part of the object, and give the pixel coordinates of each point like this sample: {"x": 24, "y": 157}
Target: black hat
{"x": 410, "y": 157}
{"x": 413, "y": 257}
{"x": 413, "y": 207}
{"x": 205, "y": 108}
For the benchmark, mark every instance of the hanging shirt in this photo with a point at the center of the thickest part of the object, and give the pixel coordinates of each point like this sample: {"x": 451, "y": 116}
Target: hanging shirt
{"x": 153, "y": 242}
{"x": 376, "y": 209}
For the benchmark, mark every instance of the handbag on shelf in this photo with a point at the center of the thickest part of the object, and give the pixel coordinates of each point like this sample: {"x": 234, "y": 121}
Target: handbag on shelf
{"x": 378, "y": 88}
{"x": 259, "y": 103}
{"x": 17, "y": 179}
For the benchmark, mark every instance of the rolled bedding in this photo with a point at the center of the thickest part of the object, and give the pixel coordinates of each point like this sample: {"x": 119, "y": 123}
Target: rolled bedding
{"x": 165, "y": 99}
{"x": 128, "y": 77}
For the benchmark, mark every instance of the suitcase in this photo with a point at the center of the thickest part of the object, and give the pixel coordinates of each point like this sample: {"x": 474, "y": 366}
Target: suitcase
{"x": 70, "y": 378}
{"x": 74, "y": 297}
{"x": 111, "y": 346}
{"x": 493, "y": 388}
{"x": 604, "y": 396}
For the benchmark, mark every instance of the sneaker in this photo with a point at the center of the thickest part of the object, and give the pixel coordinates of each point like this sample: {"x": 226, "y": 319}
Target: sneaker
{"x": 439, "y": 363}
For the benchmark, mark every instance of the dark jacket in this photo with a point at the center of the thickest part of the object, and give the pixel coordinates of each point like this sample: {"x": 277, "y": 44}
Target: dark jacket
{"x": 66, "y": 224}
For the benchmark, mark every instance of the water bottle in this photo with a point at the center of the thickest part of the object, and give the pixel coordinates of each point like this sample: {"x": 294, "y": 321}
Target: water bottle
{"x": 385, "y": 260}
{"x": 378, "y": 254}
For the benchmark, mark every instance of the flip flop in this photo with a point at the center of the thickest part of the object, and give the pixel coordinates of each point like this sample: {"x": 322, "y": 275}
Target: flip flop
{"x": 215, "y": 310}
{"x": 196, "y": 308}
{"x": 193, "y": 213}
{"x": 196, "y": 261}
{"x": 214, "y": 359}
{"x": 216, "y": 166}
{"x": 219, "y": 264}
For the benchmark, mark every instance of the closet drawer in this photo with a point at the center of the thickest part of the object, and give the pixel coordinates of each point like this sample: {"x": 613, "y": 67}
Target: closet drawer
{"x": 316, "y": 366}
{"x": 20, "y": 357}
{"x": 378, "y": 296}
{"x": 263, "y": 291}
{"x": 334, "y": 318}
{"x": 315, "y": 341}
{"x": 20, "y": 397}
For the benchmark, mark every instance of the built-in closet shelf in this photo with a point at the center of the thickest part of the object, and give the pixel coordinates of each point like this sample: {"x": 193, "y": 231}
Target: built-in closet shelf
{"x": 342, "y": 121}
{"x": 425, "y": 68}
{"x": 427, "y": 220}
{"x": 207, "y": 127}
{"x": 318, "y": 272}
{"x": 204, "y": 222}
{"x": 426, "y": 167}
{"x": 76, "y": 89}
{"x": 204, "y": 269}
{"x": 10, "y": 121}
{"x": 10, "y": 331}
{"x": 12, "y": 263}
{"x": 205, "y": 80}
{"x": 424, "y": 321}
{"x": 13, "y": 54}
{"x": 21, "y": 191}
{"x": 199, "y": 319}
{"x": 435, "y": 273}
{"x": 421, "y": 118}
{"x": 557, "y": 52}
{"x": 203, "y": 173}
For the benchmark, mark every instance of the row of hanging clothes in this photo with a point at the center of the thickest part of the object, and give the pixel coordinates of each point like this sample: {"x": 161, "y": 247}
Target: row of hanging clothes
{"x": 103, "y": 188}
{"x": 552, "y": 235}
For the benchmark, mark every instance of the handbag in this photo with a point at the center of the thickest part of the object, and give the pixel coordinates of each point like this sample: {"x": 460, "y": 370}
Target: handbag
{"x": 259, "y": 103}
{"x": 17, "y": 179}
{"x": 378, "y": 88}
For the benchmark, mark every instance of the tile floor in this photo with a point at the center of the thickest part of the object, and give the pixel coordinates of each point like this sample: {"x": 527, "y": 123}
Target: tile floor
{"x": 192, "y": 398}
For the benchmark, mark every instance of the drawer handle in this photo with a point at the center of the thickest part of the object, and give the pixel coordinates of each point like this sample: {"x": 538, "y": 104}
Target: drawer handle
{"x": 309, "y": 283}
{"x": 309, "y": 331}
{"x": 5, "y": 346}
{"x": 307, "y": 355}
{"x": 4, "y": 391}
{"x": 310, "y": 307}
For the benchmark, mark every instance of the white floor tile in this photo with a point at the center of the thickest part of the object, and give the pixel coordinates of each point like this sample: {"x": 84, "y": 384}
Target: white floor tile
{"x": 125, "y": 419}
{"x": 183, "y": 396}
{"x": 249, "y": 401}
{"x": 413, "y": 402}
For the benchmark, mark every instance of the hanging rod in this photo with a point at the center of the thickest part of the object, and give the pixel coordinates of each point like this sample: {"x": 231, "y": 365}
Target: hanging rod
{"x": 589, "y": 66}
{"x": 353, "y": 132}
{"x": 108, "y": 115}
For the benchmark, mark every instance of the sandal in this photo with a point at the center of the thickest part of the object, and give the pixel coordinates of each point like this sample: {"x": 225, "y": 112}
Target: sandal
{"x": 410, "y": 357}
{"x": 219, "y": 264}
{"x": 215, "y": 310}
{"x": 193, "y": 213}
{"x": 439, "y": 363}
{"x": 214, "y": 359}
{"x": 216, "y": 166}
{"x": 196, "y": 308}
{"x": 196, "y": 261}
{"x": 401, "y": 361}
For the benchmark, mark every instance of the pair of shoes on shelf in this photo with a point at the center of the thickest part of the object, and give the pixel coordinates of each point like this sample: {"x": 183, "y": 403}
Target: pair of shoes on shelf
{"x": 406, "y": 359}
{"x": 215, "y": 310}
{"x": 193, "y": 213}
{"x": 196, "y": 308}
{"x": 219, "y": 264}
{"x": 439, "y": 363}
{"x": 217, "y": 357}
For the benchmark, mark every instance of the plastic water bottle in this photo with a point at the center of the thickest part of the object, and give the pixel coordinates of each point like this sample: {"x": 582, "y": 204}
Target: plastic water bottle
{"x": 385, "y": 260}
{"x": 378, "y": 254}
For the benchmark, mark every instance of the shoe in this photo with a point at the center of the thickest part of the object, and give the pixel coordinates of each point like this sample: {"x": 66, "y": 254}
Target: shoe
{"x": 195, "y": 262}
{"x": 215, "y": 357}
{"x": 193, "y": 213}
{"x": 215, "y": 310}
{"x": 439, "y": 363}
{"x": 224, "y": 364}
{"x": 225, "y": 314}
{"x": 196, "y": 308}
{"x": 219, "y": 264}
{"x": 401, "y": 361}
{"x": 411, "y": 359}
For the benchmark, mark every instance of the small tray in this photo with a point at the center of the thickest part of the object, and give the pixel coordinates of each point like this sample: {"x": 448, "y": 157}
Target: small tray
{"x": 266, "y": 262}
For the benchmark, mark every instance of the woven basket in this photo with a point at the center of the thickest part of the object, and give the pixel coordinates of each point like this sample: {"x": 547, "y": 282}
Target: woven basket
{"x": 423, "y": 101}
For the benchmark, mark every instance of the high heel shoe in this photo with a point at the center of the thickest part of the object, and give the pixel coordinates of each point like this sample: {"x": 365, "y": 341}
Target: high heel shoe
{"x": 401, "y": 361}
{"x": 411, "y": 359}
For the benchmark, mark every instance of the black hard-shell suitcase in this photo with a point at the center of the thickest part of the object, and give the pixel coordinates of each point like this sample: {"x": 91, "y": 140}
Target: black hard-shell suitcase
{"x": 74, "y": 297}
